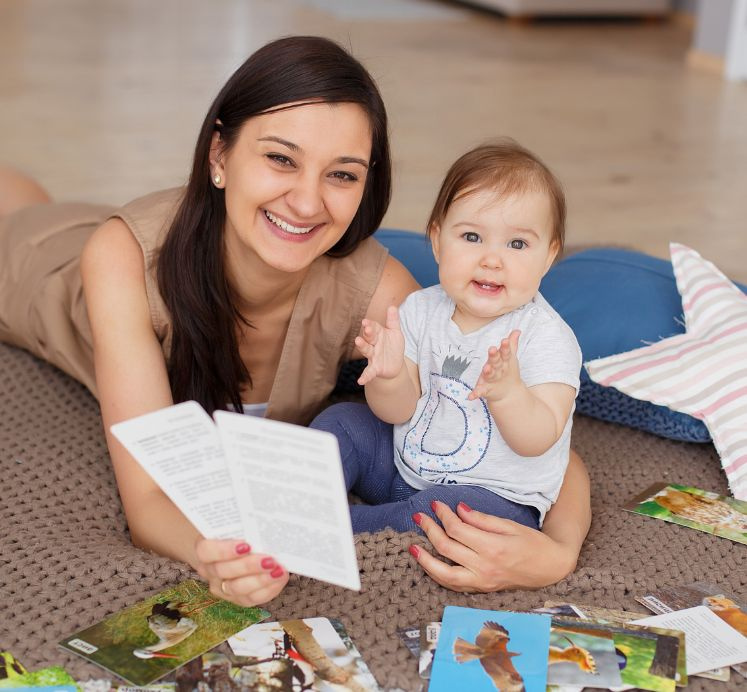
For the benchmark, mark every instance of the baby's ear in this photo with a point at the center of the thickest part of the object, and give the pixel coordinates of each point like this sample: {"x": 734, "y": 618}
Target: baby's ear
{"x": 434, "y": 234}
{"x": 552, "y": 254}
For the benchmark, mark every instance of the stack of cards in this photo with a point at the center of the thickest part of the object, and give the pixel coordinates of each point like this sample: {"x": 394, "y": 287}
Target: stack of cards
{"x": 183, "y": 630}
{"x": 569, "y": 646}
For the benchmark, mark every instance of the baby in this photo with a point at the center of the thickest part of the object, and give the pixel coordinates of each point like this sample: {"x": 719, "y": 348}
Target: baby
{"x": 472, "y": 383}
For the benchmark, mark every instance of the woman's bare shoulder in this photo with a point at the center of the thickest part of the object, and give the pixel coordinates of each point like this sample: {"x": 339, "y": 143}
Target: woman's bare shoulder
{"x": 113, "y": 273}
{"x": 112, "y": 246}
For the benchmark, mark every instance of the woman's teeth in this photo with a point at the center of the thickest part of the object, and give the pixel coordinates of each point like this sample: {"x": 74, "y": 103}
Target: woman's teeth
{"x": 286, "y": 226}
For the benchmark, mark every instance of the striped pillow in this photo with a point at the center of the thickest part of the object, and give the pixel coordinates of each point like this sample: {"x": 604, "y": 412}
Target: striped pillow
{"x": 702, "y": 372}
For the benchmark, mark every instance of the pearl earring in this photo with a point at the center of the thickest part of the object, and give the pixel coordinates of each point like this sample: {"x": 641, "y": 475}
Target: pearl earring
{"x": 217, "y": 179}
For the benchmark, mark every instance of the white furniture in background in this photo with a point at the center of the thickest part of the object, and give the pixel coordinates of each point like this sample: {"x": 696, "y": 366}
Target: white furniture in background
{"x": 517, "y": 8}
{"x": 736, "y": 45}
{"x": 720, "y": 38}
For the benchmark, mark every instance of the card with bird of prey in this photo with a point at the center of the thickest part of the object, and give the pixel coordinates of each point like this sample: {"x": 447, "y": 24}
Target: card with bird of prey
{"x": 491, "y": 650}
{"x": 149, "y": 639}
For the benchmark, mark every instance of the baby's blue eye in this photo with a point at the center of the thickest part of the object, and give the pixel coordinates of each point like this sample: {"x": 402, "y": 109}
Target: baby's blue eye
{"x": 517, "y": 244}
{"x": 471, "y": 237}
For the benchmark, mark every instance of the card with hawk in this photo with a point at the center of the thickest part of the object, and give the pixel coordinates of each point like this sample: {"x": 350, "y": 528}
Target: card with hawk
{"x": 491, "y": 650}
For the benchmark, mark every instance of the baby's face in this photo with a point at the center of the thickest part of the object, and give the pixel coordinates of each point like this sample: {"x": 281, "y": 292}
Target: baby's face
{"x": 492, "y": 253}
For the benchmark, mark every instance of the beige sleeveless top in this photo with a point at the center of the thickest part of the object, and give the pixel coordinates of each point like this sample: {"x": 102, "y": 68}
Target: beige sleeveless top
{"x": 42, "y": 308}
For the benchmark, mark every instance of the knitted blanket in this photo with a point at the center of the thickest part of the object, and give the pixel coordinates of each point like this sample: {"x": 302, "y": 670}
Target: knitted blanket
{"x": 66, "y": 560}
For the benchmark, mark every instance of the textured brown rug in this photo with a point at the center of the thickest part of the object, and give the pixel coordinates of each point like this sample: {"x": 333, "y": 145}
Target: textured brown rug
{"x": 66, "y": 560}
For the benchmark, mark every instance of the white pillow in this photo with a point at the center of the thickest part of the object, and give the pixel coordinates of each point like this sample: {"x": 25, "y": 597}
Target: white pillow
{"x": 702, "y": 372}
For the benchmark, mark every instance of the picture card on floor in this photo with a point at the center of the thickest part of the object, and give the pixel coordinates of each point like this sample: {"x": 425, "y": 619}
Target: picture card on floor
{"x": 697, "y": 509}
{"x": 489, "y": 650}
{"x": 276, "y": 485}
{"x": 648, "y": 658}
{"x": 145, "y": 641}
{"x": 597, "y": 613}
{"x": 13, "y": 675}
{"x": 711, "y": 643}
{"x": 410, "y": 637}
{"x": 678, "y": 597}
{"x": 582, "y": 659}
{"x": 309, "y": 654}
{"x": 551, "y": 608}
{"x": 429, "y": 634}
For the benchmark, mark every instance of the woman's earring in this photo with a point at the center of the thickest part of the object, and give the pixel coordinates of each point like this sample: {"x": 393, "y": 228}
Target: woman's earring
{"x": 217, "y": 179}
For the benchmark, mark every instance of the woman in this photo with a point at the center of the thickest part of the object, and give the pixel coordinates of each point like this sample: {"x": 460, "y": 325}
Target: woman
{"x": 246, "y": 289}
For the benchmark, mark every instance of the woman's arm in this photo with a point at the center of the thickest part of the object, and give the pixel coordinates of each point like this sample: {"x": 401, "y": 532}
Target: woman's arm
{"x": 132, "y": 380}
{"x": 494, "y": 554}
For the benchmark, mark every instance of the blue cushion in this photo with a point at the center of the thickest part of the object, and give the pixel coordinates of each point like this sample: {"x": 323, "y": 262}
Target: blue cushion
{"x": 414, "y": 251}
{"x": 617, "y": 300}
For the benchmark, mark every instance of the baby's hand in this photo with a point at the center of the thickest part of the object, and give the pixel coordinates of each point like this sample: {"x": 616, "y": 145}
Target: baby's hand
{"x": 383, "y": 346}
{"x": 500, "y": 372}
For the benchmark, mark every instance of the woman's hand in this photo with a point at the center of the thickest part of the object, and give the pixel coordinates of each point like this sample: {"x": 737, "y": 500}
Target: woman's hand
{"x": 491, "y": 553}
{"x": 236, "y": 574}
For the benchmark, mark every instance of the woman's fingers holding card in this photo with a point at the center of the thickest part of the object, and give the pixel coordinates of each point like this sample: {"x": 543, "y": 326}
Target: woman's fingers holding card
{"x": 209, "y": 551}
{"x": 237, "y": 574}
{"x": 254, "y": 590}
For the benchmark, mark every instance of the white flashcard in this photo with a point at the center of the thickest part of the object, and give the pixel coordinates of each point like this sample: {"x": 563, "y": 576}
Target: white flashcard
{"x": 709, "y": 642}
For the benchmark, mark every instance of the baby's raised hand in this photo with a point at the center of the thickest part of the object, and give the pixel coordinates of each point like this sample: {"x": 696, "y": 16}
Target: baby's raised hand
{"x": 384, "y": 346}
{"x": 500, "y": 372}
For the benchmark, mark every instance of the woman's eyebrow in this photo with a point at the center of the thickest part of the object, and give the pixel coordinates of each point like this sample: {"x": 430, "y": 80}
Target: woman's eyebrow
{"x": 280, "y": 140}
{"x": 296, "y": 148}
{"x": 352, "y": 159}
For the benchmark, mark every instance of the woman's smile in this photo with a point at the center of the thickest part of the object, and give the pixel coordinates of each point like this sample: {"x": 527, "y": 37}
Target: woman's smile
{"x": 285, "y": 228}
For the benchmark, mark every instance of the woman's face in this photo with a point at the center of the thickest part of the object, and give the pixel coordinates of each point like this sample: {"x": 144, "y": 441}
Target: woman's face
{"x": 293, "y": 181}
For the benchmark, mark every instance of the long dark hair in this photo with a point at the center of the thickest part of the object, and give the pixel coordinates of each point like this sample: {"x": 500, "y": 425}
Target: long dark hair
{"x": 204, "y": 362}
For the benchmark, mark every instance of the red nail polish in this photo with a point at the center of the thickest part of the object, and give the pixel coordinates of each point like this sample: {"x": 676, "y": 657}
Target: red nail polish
{"x": 414, "y": 551}
{"x": 243, "y": 548}
{"x": 267, "y": 563}
{"x": 417, "y": 518}
{"x": 465, "y": 507}
{"x": 277, "y": 572}
{"x": 434, "y": 505}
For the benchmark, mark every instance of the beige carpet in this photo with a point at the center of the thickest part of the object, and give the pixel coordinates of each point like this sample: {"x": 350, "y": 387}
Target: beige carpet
{"x": 66, "y": 560}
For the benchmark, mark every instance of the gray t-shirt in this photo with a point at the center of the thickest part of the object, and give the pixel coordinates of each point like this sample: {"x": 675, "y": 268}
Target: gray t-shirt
{"x": 452, "y": 440}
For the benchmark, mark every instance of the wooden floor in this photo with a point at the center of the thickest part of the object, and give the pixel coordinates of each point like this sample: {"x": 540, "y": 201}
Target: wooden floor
{"x": 101, "y": 100}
